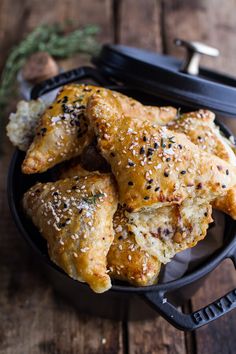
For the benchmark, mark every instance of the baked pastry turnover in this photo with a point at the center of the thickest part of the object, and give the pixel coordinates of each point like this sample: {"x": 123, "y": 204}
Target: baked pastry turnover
{"x": 126, "y": 260}
{"x": 75, "y": 216}
{"x": 161, "y": 174}
{"x": 153, "y": 166}
{"x": 200, "y": 128}
{"x": 63, "y": 130}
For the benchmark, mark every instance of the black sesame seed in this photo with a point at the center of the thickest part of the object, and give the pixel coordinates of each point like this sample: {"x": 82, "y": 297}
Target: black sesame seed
{"x": 199, "y": 186}
{"x": 142, "y": 151}
{"x": 55, "y": 194}
{"x": 144, "y": 138}
{"x": 166, "y": 232}
{"x": 80, "y": 211}
{"x": 150, "y": 152}
{"x": 168, "y": 159}
{"x": 205, "y": 214}
{"x": 146, "y": 197}
{"x": 112, "y": 154}
{"x": 50, "y": 107}
{"x": 166, "y": 174}
{"x": 120, "y": 238}
{"x": 183, "y": 172}
{"x": 130, "y": 183}
{"x": 65, "y": 206}
{"x": 180, "y": 146}
{"x": 157, "y": 189}
{"x": 227, "y": 172}
{"x": 223, "y": 186}
{"x": 73, "y": 188}
{"x": 65, "y": 99}
{"x": 155, "y": 145}
{"x": 130, "y": 163}
{"x": 148, "y": 187}
{"x": 150, "y": 181}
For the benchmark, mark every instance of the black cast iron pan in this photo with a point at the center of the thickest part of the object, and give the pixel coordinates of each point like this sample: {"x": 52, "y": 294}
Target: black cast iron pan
{"x": 120, "y": 301}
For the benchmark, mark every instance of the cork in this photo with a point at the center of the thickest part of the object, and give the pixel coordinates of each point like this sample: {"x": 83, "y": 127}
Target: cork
{"x": 38, "y": 67}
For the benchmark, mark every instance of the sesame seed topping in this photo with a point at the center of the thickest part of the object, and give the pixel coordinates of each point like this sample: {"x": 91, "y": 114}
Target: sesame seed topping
{"x": 142, "y": 150}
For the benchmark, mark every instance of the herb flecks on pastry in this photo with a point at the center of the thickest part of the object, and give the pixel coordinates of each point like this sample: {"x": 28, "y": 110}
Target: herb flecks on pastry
{"x": 200, "y": 128}
{"x": 126, "y": 260}
{"x": 75, "y": 216}
{"x": 64, "y": 131}
{"x": 153, "y": 166}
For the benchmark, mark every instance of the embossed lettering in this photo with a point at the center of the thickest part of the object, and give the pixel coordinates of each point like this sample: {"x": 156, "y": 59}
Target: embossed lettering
{"x": 197, "y": 317}
{"x": 219, "y": 306}
{"x": 209, "y": 312}
{"x": 228, "y": 301}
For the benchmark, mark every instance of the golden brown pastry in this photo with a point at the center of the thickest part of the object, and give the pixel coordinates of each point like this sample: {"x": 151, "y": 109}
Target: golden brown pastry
{"x": 153, "y": 166}
{"x": 74, "y": 171}
{"x": 126, "y": 260}
{"x": 75, "y": 216}
{"x": 199, "y": 126}
{"x": 63, "y": 131}
{"x": 145, "y": 239}
{"x": 165, "y": 231}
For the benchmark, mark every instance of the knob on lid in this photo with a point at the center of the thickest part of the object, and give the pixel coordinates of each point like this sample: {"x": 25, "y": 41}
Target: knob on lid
{"x": 181, "y": 82}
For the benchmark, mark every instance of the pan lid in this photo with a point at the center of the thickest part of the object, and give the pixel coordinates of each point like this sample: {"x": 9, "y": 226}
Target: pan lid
{"x": 184, "y": 83}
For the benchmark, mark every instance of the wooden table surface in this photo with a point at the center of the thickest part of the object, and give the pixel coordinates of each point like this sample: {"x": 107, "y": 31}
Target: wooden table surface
{"x": 34, "y": 319}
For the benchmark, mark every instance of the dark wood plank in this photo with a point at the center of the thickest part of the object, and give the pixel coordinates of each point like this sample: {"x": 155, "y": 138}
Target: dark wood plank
{"x": 155, "y": 336}
{"x": 140, "y": 25}
{"x": 18, "y": 18}
{"x": 33, "y": 319}
{"x": 218, "y": 337}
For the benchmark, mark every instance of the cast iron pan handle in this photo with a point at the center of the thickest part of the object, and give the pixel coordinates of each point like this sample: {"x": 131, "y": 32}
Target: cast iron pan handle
{"x": 194, "y": 320}
{"x": 66, "y": 78}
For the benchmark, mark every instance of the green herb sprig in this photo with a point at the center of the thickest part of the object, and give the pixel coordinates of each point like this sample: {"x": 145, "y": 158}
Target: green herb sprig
{"x": 93, "y": 199}
{"x": 49, "y": 38}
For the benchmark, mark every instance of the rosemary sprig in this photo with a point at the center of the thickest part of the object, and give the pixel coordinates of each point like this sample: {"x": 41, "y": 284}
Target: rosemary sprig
{"x": 49, "y": 38}
{"x": 93, "y": 199}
